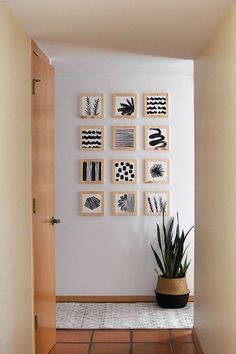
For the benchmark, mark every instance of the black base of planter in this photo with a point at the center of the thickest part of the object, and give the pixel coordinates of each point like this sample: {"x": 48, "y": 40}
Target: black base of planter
{"x": 172, "y": 301}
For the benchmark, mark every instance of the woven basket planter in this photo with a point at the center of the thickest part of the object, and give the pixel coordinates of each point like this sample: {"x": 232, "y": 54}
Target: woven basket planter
{"x": 172, "y": 293}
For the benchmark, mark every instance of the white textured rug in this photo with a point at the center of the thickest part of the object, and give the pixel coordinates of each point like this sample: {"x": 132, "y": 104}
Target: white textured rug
{"x": 128, "y": 315}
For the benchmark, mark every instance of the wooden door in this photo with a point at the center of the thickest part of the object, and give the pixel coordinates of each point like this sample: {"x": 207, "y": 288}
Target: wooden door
{"x": 43, "y": 201}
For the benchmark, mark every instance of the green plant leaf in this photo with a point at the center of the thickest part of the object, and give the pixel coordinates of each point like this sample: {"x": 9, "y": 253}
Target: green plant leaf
{"x": 189, "y": 231}
{"x": 163, "y": 223}
{"x": 159, "y": 242}
{"x": 169, "y": 234}
{"x": 158, "y": 261}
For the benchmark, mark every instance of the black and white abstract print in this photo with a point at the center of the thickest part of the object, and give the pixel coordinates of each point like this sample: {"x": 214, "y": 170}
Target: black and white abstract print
{"x": 156, "y": 105}
{"x": 156, "y": 203}
{"x": 157, "y": 171}
{"x": 91, "y": 138}
{"x": 124, "y": 106}
{"x": 125, "y": 203}
{"x": 91, "y": 203}
{"x": 91, "y": 106}
{"x": 124, "y": 138}
{"x": 157, "y": 138}
{"x": 124, "y": 171}
{"x": 91, "y": 171}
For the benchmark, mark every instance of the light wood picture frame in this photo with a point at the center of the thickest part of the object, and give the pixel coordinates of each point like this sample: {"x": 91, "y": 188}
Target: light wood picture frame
{"x": 124, "y": 138}
{"x": 91, "y": 105}
{"x": 156, "y": 105}
{"x": 157, "y": 170}
{"x": 124, "y": 203}
{"x": 124, "y": 171}
{"x": 92, "y": 203}
{"x": 124, "y": 105}
{"x": 157, "y": 138}
{"x": 91, "y": 171}
{"x": 91, "y": 138}
{"x": 154, "y": 201}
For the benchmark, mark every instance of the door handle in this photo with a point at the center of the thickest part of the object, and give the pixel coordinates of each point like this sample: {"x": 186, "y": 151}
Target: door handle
{"x": 34, "y": 82}
{"x": 55, "y": 221}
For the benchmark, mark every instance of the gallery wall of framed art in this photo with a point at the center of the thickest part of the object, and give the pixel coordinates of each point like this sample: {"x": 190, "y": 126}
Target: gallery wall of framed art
{"x": 156, "y": 138}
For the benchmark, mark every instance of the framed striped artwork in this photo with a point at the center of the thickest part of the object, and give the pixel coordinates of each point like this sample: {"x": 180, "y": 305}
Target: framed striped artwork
{"x": 124, "y": 138}
{"x": 92, "y": 171}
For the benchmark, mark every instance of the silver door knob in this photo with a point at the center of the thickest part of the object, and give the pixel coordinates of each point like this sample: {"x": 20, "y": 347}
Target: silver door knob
{"x": 54, "y": 220}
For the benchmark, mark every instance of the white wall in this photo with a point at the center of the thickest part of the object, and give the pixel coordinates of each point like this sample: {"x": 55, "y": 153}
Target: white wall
{"x": 111, "y": 255}
{"x": 215, "y": 87}
{"x": 16, "y": 294}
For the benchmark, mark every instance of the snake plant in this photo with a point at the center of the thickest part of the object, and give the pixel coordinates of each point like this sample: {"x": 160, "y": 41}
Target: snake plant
{"x": 173, "y": 261}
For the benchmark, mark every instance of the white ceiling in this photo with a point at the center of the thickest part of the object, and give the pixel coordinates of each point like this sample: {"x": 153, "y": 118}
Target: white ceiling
{"x": 171, "y": 28}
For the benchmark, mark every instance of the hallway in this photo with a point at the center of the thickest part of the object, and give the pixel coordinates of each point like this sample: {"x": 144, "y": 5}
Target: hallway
{"x": 111, "y": 183}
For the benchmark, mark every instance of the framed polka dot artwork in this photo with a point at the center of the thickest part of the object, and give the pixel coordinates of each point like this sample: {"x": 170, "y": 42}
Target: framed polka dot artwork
{"x": 124, "y": 171}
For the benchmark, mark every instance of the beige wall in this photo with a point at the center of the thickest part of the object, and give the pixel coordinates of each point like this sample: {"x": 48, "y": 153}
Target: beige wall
{"x": 215, "y": 105}
{"x": 15, "y": 214}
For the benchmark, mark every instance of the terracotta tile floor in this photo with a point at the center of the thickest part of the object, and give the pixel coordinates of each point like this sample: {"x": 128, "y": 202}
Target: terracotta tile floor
{"x": 124, "y": 342}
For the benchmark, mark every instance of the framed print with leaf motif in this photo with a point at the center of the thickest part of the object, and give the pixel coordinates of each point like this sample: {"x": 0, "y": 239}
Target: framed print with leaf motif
{"x": 124, "y": 105}
{"x": 91, "y": 105}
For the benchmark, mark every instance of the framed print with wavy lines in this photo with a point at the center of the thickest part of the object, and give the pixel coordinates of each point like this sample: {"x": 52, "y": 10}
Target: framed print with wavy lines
{"x": 157, "y": 138}
{"x": 91, "y": 138}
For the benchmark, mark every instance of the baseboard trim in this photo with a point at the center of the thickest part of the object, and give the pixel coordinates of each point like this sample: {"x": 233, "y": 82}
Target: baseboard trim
{"x": 197, "y": 342}
{"x": 115, "y": 299}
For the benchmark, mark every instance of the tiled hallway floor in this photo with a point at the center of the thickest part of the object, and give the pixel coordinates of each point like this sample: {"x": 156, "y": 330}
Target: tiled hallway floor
{"x": 124, "y": 342}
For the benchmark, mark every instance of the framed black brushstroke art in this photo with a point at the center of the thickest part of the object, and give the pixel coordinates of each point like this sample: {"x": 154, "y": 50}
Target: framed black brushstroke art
{"x": 124, "y": 138}
{"x": 156, "y": 138}
{"x": 124, "y": 203}
{"x": 156, "y": 105}
{"x": 92, "y": 171}
{"x": 91, "y": 138}
{"x": 124, "y": 105}
{"x": 92, "y": 105}
{"x": 155, "y": 202}
{"x": 92, "y": 203}
{"x": 157, "y": 171}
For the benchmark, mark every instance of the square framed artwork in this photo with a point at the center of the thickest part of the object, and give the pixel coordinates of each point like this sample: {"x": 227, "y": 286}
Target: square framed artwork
{"x": 124, "y": 171}
{"x": 124, "y": 105}
{"x": 156, "y": 105}
{"x": 91, "y": 138}
{"x": 124, "y": 138}
{"x": 92, "y": 203}
{"x": 157, "y": 170}
{"x": 92, "y": 171}
{"x": 155, "y": 202}
{"x": 124, "y": 203}
{"x": 92, "y": 105}
{"x": 156, "y": 138}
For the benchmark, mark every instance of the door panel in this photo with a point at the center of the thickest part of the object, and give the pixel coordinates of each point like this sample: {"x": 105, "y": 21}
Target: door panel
{"x": 43, "y": 201}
